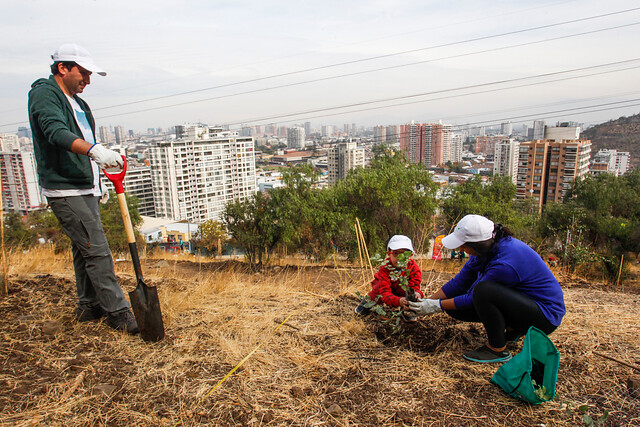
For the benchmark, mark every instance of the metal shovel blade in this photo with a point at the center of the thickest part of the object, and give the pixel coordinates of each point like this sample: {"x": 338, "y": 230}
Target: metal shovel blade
{"x": 146, "y": 308}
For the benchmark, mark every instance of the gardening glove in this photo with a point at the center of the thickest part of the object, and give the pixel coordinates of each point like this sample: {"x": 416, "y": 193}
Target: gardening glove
{"x": 425, "y": 306}
{"x": 104, "y": 157}
{"x": 105, "y": 195}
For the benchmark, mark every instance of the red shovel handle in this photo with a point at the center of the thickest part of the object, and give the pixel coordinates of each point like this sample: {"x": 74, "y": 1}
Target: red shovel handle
{"x": 117, "y": 178}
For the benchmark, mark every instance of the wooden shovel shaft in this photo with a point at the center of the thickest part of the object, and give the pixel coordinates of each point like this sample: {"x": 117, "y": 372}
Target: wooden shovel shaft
{"x": 131, "y": 238}
{"x": 124, "y": 210}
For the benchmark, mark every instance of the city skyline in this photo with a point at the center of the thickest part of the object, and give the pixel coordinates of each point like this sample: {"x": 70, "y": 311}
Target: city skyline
{"x": 250, "y": 62}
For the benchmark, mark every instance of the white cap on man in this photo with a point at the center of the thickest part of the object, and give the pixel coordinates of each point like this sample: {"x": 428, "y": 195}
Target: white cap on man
{"x": 399, "y": 242}
{"x": 71, "y": 52}
{"x": 471, "y": 228}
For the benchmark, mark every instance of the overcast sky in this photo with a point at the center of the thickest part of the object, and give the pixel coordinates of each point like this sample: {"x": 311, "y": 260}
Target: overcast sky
{"x": 244, "y": 61}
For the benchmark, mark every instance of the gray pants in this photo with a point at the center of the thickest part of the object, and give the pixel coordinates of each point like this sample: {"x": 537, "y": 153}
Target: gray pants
{"x": 95, "y": 278}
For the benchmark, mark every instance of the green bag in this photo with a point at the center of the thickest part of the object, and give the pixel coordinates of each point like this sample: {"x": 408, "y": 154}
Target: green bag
{"x": 532, "y": 374}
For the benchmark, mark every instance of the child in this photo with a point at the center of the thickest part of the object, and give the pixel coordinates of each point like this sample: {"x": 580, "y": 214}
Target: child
{"x": 390, "y": 290}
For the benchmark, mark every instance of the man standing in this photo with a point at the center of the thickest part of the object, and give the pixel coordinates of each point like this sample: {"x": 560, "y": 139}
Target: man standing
{"x": 69, "y": 162}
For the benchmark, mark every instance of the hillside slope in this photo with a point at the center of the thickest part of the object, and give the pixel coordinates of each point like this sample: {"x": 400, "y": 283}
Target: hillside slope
{"x": 622, "y": 134}
{"x": 325, "y": 366}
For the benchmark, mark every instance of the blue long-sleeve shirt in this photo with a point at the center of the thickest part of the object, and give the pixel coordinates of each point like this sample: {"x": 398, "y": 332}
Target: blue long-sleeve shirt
{"x": 515, "y": 265}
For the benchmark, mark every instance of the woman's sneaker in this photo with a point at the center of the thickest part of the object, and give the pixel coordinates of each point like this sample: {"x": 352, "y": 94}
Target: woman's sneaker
{"x": 485, "y": 355}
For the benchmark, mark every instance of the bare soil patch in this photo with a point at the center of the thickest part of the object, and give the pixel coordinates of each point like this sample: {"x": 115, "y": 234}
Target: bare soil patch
{"x": 324, "y": 366}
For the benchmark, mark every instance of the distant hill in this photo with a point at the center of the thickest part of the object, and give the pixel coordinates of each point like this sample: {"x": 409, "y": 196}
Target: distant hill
{"x": 622, "y": 134}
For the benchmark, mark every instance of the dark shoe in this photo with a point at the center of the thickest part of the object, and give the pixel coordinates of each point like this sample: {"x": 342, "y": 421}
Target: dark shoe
{"x": 123, "y": 321}
{"x": 485, "y": 355}
{"x": 512, "y": 336}
{"x": 85, "y": 313}
{"x": 361, "y": 309}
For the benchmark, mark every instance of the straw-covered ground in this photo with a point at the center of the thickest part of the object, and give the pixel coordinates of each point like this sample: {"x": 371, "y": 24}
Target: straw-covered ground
{"x": 323, "y": 366}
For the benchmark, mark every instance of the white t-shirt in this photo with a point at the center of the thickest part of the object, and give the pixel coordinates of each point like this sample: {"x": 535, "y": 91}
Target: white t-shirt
{"x": 87, "y": 135}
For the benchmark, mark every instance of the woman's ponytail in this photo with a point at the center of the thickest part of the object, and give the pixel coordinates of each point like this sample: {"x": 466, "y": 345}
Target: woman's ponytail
{"x": 500, "y": 231}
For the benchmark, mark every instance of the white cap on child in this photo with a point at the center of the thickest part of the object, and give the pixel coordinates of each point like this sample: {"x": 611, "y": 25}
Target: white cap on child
{"x": 399, "y": 242}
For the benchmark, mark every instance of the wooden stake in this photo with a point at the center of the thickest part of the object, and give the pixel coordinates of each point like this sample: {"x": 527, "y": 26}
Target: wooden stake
{"x": 630, "y": 365}
{"x": 355, "y": 226}
{"x": 5, "y": 277}
{"x": 364, "y": 245}
{"x": 620, "y": 271}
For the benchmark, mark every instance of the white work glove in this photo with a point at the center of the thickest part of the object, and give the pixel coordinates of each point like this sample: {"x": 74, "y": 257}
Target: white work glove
{"x": 425, "y": 306}
{"x": 105, "y": 195}
{"x": 104, "y": 157}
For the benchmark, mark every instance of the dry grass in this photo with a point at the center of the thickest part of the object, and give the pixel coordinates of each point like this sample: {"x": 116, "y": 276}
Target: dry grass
{"x": 325, "y": 366}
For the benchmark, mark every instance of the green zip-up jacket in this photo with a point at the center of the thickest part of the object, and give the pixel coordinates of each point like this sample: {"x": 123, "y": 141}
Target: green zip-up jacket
{"x": 54, "y": 128}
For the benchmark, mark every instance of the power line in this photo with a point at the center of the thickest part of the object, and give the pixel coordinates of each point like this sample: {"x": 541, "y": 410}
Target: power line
{"x": 358, "y": 104}
{"x": 323, "y": 67}
{"x": 527, "y": 117}
{"x": 345, "y": 75}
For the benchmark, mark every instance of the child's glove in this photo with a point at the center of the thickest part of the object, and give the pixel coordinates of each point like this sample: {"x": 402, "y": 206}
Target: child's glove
{"x": 425, "y": 306}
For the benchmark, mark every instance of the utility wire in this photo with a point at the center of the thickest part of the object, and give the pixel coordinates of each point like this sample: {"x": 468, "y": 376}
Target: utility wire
{"x": 348, "y": 74}
{"x": 355, "y": 73}
{"x": 518, "y": 119}
{"x": 324, "y": 67}
{"x": 358, "y": 104}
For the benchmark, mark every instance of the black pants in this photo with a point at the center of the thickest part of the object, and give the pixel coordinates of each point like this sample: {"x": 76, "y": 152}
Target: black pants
{"x": 499, "y": 307}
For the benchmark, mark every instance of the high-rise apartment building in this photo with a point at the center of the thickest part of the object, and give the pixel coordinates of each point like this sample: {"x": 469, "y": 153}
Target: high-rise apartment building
{"x": 426, "y": 143}
{"x": 343, "y": 157}
{"x": 547, "y": 169}
{"x": 295, "y": 137}
{"x": 20, "y": 189}
{"x": 393, "y": 134}
{"x": 104, "y": 135}
{"x": 487, "y": 144}
{"x": 537, "y": 131}
{"x": 120, "y": 138}
{"x": 505, "y": 159}
{"x": 379, "y": 134}
{"x": 506, "y": 128}
{"x": 194, "y": 178}
{"x": 137, "y": 182}
{"x": 327, "y": 131}
{"x": 610, "y": 161}
{"x": 457, "y": 141}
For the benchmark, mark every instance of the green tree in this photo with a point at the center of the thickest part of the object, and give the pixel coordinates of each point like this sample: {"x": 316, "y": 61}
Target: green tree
{"x": 254, "y": 227}
{"x": 211, "y": 235}
{"x": 611, "y": 210}
{"x": 44, "y": 224}
{"x": 16, "y": 233}
{"x": 389, "y": 197}
{"x": 495, "y": 200}
{"x": 113, "y": 224}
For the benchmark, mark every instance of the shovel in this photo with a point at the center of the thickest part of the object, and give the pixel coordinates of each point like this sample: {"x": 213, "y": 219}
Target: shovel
{"x": 144, "y": 299}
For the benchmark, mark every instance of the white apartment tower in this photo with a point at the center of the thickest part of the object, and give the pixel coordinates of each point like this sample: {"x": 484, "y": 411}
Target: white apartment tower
{"x": 379, "y": 134}
{"x": 20, "y": 189}
{"x": 119, "y": 131}
{"x": 343, "y": 157}
{"x": 506, "y": 128}
{"x": 137, "y": 182}
{"x": 194, "y": 178}
{"x": 457, "y": 140}
{"x": 505, "y": 159}
{"x": 610, "y": 161}
{"x": 295, "y": 137}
